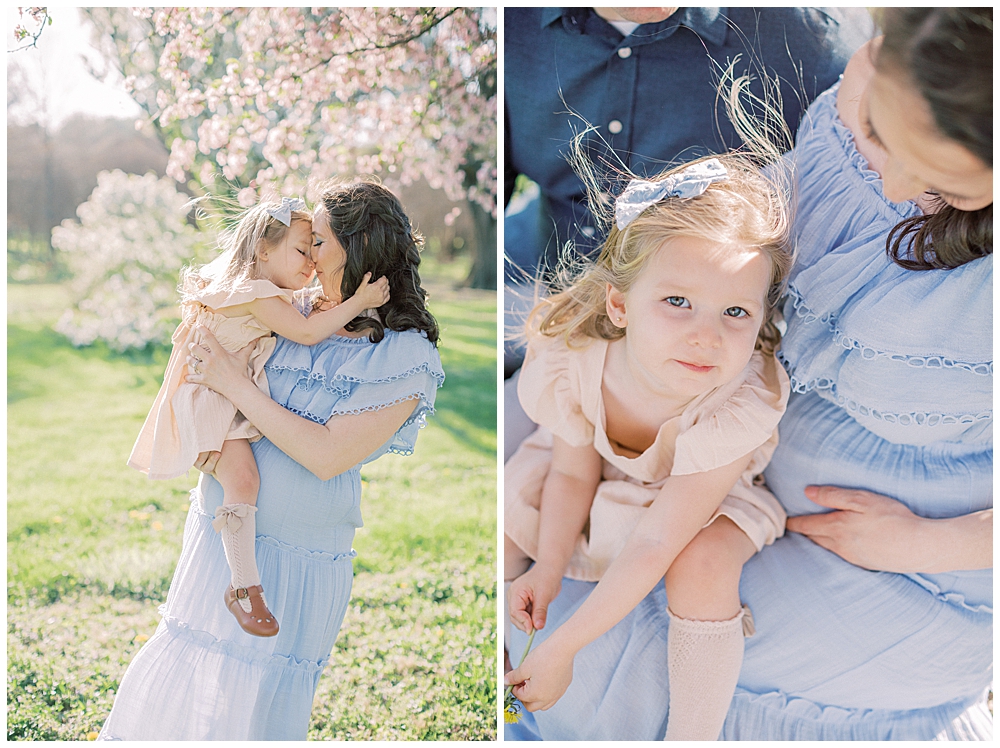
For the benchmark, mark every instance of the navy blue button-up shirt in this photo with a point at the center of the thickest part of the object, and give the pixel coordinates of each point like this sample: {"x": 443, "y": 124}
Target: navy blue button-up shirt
{"x": 651, "y": 95}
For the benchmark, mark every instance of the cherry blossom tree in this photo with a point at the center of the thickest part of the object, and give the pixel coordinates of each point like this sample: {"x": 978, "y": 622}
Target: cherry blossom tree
{"x": 30, "y": 30}
{"x": 252, "y": 101}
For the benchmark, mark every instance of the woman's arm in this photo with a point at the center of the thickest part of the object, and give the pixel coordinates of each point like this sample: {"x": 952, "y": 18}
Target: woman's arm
{"x": 680, "y": 510}
{"x": 567, "y": 496}
{"x": 879, "y": 533}
{"x": 326, "y": 449}
{"x": 285, "y": 320}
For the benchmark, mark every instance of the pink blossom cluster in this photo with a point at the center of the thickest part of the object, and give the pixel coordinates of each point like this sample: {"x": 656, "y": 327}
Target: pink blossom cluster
{"x": 280, "y": 98}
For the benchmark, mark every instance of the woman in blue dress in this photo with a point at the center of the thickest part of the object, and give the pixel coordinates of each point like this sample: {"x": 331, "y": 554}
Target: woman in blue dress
{"x": 874, "y": 621}
{"x": 336, "y": 406}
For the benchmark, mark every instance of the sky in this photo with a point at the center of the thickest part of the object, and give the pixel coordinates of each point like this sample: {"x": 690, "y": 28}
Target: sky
{"x": 57, "y": 69}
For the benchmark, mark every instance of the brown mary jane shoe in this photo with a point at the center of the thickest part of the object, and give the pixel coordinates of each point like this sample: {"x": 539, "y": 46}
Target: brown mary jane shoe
{"x": 259, "y": 621}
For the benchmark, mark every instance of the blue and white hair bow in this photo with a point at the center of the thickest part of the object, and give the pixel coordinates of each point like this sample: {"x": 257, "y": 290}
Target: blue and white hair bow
{"x": 284, "y": 213}
{"x": 689, "y": 182}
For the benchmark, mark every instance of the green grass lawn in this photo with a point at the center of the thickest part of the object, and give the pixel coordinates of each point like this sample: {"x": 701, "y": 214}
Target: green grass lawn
{"x": 92, "y": 544}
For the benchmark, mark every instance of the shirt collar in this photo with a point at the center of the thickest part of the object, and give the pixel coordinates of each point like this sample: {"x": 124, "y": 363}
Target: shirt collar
{"x": 709, "y": 23}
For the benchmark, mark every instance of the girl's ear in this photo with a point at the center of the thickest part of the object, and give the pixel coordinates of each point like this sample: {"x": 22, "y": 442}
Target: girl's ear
{"x": 615, "y": 306}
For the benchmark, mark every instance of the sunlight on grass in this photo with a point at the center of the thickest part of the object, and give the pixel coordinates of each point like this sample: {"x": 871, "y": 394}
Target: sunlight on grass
{"x": 92, "y": 544}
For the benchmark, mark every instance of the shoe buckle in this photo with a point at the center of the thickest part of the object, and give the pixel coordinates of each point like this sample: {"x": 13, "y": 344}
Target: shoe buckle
{"x": 243, "y": 596}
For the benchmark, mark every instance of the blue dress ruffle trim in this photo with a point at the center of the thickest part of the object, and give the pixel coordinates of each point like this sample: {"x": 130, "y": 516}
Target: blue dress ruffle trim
{"x": 347, "y": 376}
{"x": 866, "y": 333}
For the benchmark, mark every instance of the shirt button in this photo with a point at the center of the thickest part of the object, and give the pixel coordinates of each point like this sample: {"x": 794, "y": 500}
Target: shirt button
{"x": 615, "y": 126}
{"x": 625, "y": 52}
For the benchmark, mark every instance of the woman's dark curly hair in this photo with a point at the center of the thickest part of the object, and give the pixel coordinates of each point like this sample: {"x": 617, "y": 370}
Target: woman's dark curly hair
{"x": 371, "y": 226}
{"x": 947, "y": 53}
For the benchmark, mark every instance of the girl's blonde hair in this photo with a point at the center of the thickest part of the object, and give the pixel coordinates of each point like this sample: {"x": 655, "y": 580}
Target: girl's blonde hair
{"x": 251, "y": 231}
{"x": 748, "y": 210}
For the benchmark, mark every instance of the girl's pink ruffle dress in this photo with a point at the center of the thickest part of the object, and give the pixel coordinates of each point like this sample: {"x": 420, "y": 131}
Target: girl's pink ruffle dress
{"x": 187, "y": 419}
{"x": 560, "y": 389}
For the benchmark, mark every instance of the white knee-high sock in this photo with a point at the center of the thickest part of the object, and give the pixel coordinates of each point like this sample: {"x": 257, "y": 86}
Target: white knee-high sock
{"x": 236, "y": 523}
{"x": 704, "y": 660}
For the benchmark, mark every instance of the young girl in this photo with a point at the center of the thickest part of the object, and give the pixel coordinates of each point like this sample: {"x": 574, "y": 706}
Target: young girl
{"x": 653, "y": 379}
{"x": 242, "y": 296}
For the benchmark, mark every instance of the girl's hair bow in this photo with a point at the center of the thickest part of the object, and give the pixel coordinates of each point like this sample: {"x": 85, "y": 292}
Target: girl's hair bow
{"x": 689, "y": 182}
{"x": 284, "y": 212}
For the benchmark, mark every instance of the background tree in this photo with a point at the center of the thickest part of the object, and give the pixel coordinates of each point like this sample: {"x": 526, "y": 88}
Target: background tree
{"x": 273, "y": 100}
{"x": 126, "y": 253}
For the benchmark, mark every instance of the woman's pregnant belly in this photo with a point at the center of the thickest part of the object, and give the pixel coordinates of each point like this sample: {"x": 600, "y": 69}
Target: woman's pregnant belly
{"x": 295, "y": 507}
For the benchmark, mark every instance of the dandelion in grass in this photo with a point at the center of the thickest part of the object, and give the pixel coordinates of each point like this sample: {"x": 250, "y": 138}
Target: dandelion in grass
{"x": 512, "y": 708}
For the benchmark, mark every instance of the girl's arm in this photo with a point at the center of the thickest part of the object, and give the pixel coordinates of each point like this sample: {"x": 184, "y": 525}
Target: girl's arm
{"x": 326, "y": 450}
{"x": 680, "y": 510}
{"x": 881, "y": 534}
{"x": 567, "y": 496}
{"x": 285, "y": 320}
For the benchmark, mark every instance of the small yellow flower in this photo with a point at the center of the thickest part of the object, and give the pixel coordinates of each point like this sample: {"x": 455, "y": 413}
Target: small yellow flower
{"x": 140, "y": 638}
{"x": 157, "y": 526}
{"x": 511, "y": 706}
{"x": 92, "y": 736}
{"x": 136, "y": 514}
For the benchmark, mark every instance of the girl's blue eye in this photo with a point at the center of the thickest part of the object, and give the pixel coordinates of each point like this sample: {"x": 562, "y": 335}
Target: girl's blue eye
{"x": 678, "y": 301}
{"x": 737, "y": 312}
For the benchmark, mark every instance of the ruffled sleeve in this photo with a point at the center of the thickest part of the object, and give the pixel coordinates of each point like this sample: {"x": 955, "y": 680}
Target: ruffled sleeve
{"x": 551, "y": 387}
{"x": 247, "y": 292}
{"x": 342, "y": 376}
{"x": 733, "y": 420}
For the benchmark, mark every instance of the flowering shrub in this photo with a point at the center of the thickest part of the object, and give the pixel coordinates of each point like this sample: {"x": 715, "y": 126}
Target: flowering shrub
{"x": 270, "y": 98}
{"x": 126, "y": 252}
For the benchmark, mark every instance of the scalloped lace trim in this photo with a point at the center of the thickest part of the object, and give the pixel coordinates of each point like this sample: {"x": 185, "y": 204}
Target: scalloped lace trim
{"x": 423, "y": 410}
{"x": 914, "y": 418}
{"x": 424, "y": 367}
{"x": 839, "y": 337}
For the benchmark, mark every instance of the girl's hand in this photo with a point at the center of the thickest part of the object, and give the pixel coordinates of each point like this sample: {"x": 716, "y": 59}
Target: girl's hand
{"x": 375, "y": 294}
{"x": 542, "y": 678}
{"x": 868, "y": 530}
{"x": 213, "y": 366}
{"x": 530, "y": 595}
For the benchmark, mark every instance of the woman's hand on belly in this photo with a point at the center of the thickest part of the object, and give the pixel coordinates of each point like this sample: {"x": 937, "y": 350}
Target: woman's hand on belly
{"x": 878, "y": 533}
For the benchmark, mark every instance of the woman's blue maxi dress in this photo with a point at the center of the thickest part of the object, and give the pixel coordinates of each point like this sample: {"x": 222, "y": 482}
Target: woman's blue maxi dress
{"x": 892, "y": 379}
{"x": 200, "y": 677}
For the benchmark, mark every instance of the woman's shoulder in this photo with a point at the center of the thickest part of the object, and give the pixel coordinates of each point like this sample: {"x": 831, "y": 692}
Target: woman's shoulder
{"x": 358, "y": 357}
{"x": 351, "y": 375}
{"x": 734, "y": 419}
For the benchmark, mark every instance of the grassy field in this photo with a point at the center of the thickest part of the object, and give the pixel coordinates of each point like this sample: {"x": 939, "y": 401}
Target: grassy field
{"x": 91, "y": 544}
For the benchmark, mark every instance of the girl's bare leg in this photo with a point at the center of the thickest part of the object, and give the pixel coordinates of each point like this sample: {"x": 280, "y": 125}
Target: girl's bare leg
{"x": 237, "y": 472}
{"x": 705, "y": 639}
